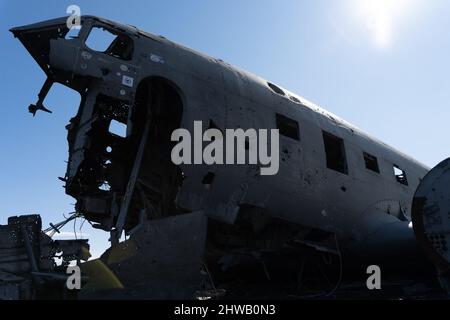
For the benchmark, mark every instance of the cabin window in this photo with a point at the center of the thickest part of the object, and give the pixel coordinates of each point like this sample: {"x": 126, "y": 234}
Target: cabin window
{"x": 118, "y": 45}
{"x": 287, "y": 127}
{"x": 400, "y": 175}
{"x": 276, "y": 89}
{"x": 335, "y": 153}
{"x": 371, "y": 162}
{"x": 294, "y": 99}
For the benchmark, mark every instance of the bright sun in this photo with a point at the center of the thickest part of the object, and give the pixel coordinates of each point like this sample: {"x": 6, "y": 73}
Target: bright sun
{"x": 381, "y": 17}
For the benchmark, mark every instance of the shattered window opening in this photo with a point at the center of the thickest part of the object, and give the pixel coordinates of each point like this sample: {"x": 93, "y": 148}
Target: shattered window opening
{"x": 105, "y": 186}
{"x": 400, "y": 175}
{"x": 117, "y": 128}
{"x": 294, "y": 99}
{"x": 371, "y": 162}
{"x": 116, "y": 45}
{"x": 276, "y": 89}
{"x": 72, "y": 34}
{"x": 335, "y": 153}
{"x": 288, "y": 127}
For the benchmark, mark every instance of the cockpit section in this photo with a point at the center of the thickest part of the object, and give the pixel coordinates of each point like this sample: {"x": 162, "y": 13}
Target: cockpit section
{"x": 98, "y": 60}
{"x": 117, "y": 178}
{"x": 71, "y": 56}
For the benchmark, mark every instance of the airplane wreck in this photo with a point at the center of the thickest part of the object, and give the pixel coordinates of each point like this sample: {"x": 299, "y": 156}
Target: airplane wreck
{"x": 340, "y": 202}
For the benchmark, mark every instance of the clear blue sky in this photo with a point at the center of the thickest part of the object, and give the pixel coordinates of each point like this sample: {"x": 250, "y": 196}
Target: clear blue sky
{"x": 383, "y": 65}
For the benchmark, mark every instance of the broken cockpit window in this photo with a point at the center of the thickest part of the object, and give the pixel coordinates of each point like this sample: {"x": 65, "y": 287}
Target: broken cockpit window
{"x": 73, "y": 33}
{"x": 118, "y": 45}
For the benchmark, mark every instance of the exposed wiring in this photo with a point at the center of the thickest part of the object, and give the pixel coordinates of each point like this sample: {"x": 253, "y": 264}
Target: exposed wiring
{"x": 82, "y": 223}
{"x": 211, "y": 281}
{"x": 55, "y": 228}
{"x": 74, "y": 228}
{"x": 338, "y": 283}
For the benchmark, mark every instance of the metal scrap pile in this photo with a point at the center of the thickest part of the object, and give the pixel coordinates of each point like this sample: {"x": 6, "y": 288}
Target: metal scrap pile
{"x": 27, "y": 260}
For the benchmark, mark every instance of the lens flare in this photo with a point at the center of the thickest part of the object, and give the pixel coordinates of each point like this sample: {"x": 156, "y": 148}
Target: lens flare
{"x": 382, "y": 17}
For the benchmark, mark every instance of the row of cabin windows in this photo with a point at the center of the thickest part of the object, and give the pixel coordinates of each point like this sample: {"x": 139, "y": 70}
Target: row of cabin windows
{"x": 335, "y": 150}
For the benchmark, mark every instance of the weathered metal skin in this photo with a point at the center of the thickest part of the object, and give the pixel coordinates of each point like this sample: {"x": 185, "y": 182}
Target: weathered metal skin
{"x": 154, "y": 86}
{"x": 431, "y": 218}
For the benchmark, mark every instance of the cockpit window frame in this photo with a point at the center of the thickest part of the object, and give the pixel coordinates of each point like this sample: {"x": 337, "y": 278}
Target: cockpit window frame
{"x": 116, "y": 33}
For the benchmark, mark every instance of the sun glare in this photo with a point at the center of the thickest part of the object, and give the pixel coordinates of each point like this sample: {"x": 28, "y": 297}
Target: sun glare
{"x": 381, "y": 17}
